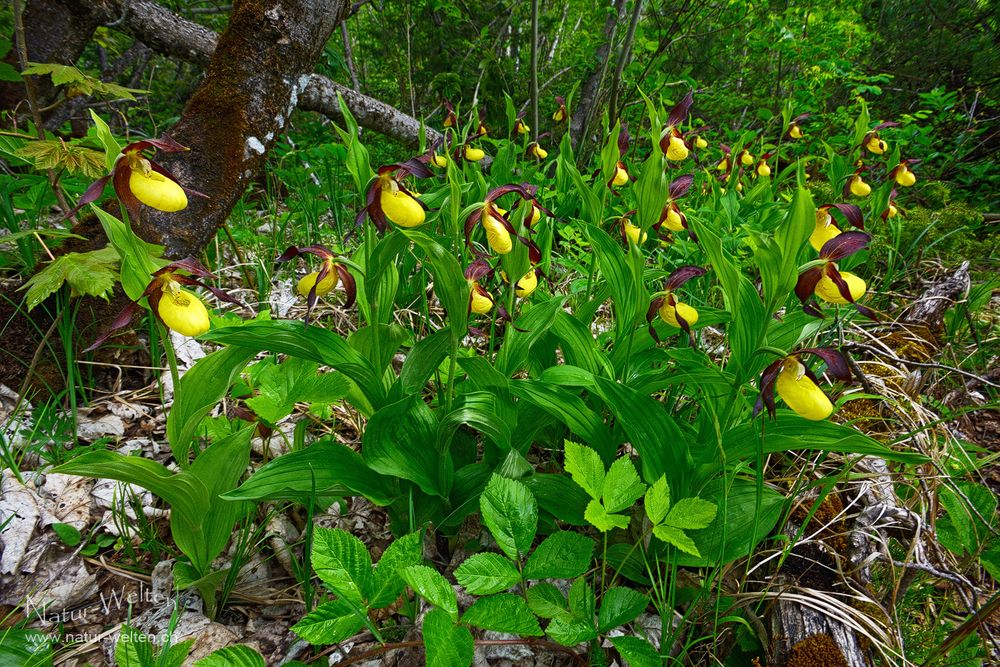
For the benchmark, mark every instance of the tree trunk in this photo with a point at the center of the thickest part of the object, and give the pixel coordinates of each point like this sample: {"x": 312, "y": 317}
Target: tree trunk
{"x": 585, "y": 109}
{"x": 252, "y": 84}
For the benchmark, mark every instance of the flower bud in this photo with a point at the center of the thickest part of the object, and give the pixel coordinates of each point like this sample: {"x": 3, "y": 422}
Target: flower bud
{"x": 325, "y": 286}
{"x": 157, "y": 191}
{"x": 800, "y": 393}
{"x": 676, "y": 150}
{"x": 183, "y": 312}
{"x": 827, "y": 290}
{"x": 401, "y": 208}
{"x": 668, "y": 313}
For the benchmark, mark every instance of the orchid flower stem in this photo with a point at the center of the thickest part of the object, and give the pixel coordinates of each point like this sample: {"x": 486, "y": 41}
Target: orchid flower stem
{"x": 175, "y": 377}
{"x": 590, "y": 276}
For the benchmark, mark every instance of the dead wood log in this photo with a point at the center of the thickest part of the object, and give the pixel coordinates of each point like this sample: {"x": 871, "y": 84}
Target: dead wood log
{"x": 929, "y": 309}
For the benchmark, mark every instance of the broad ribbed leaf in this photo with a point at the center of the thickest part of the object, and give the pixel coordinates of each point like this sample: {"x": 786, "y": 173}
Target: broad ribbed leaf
{"x": 486, "y": 573}
{"x": 325, "y": 467}
{"x": 562, "y": 555}
{"x": 505, "y": 612}
{"x": 571, "y": 410}
{"x": 449, "y": 282}
{"x": 401, "y": 441}
{"x": 422, "y": 360}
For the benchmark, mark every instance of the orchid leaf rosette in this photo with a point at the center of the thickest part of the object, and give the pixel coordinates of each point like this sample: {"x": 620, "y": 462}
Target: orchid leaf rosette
{"x": 798, "y": 386}
{"x": 319, "y": 283}
{"x": 138, "y": 179}
{"x": 827, "y": 282}
{"x": 177, "y": 308}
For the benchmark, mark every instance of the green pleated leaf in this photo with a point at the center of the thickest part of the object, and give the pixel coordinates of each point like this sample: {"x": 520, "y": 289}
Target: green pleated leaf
{"x": 511, "y": 515}
{"x": 401, "y": 440}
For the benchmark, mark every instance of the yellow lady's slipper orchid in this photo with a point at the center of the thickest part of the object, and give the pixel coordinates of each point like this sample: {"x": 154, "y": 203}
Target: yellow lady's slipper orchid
{"x": 723, "y": 165}
{"x": 905, "y": 177}
{"x": 325, "y": 286}
{"x": 876, "y": 145}
{"x": 825, "y": 229}
{"x": 763, "y": 169}
{"x": 795, "y": 132}
{"x": 800, "y": 393}
{"x": 632, "y": 232}
{"x": 539, "y": 152}
{"x": 674, "y": 222}
{"x": 746, "y": 158}
{"x": 182, "y": 311}
{"x": 479, "y": 300}
{"x": 677, "y": 150}
{"x": 401, "y": 208}
{"x": 699, "y": 142}
{"x": 892, "y": 212}
{"x": 859, "y": 188}
{"x": 157, "y": 191}
{"x": 621, "y": 176}
{"x": 827, "y": 290}
{"x": 668, "y": 313}
{"x": 440, "y": 161}
{"x": 526, "y": 285}
{"x": 497, "y": 235}
{"x": 473, "y": 154}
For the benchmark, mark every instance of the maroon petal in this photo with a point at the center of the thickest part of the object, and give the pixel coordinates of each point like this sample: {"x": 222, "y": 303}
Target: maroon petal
{"x": 807, "y": 281}
{"x": 122, "y": 320}
{"x": 681, "y": 276}
{"x": 680, "y": 111}
{"x": 120, "y": 179}
{"x": 851, "y": 213}
{"x": 836, "y": 364}
{"x": 350, "y": 285}
{"x": 680, "y": 186}
{"x": 844, "y": 245}
{"x": 92, "y": 194}
{"x": 767, "y": 381}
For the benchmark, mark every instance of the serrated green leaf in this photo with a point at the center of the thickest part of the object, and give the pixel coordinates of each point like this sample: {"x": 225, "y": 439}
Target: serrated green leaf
{"x": 562, "y": 555}
{"x": 505, "y": 612}
{"x": 134, "y": 649}
{"x": 510, "y": 513}
{"x": 343, "y": 563}
{"x": 57, "y": 154}
{"x": 585, "y": 467}
{"x": 237, "y": 655}
{"x": 691, "y": 514}
{"x": 657, "y": 500}
{"x": 637, "y": 652}
{"x": 622, "y": 486}
{"x": 598, "y": 517}
{"x": 67, "y": 533}
{"x": 676, "y": 537}
{"x": 431, "y": 586}
{"x": 446, "y": 644}
{"x": 91, "y": 273}
{"x": 620, "y": 606}
{"x": 388, "y": 585}
{"x": 570, "y": 631}
{"x": 329, "y": 623}
{"x": 281, "y": 386}
{"x": 546, "y": 600}
{"x": 486, "y": 573}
